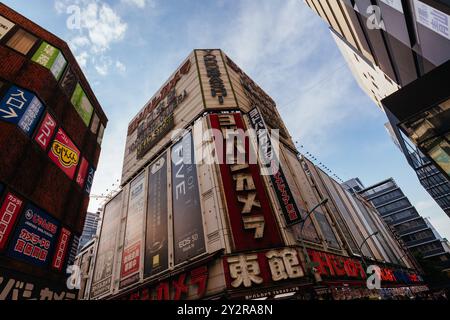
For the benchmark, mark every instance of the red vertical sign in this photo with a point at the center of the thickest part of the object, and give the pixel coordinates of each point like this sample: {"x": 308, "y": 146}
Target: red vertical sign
{"x": 45, "y": 132}
{"x": 61, "y": 249}
{"x": 82, "y": 172}
{"x": 8, "y": 215}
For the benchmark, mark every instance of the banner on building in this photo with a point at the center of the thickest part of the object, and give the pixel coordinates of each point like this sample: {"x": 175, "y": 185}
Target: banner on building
{"x": 9, "y": 211}
{"x": 156, "y": 241}
{"x": 131, "y": 256}
{"x": 35, "y": 237}
{"x": 189, "y": 238}
{"x": 101, "y": 282}
{"x": 51, "y": 58}
{"x": 64, "y": 154}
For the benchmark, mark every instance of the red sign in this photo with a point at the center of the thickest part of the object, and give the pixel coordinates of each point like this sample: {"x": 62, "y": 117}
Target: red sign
{"x": 64, "y": 154}
{"x": 330, "y": 265}
{"x": 8, "y": 215}
{"x": 176, "y": 288}
{"x": 252, "y": 221}
{"x": 82, "y": 172}
{"x": 131, "y": 260}
{"x": 45, "y": 132}
{"x": 61, "y": 249}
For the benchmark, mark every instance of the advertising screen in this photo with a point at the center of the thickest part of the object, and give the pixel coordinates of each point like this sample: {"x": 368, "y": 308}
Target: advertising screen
{"x": 64, "y": 154}
{"x": 51, "y": 58}
{"x": 189, "y": 239}
{"x": 101, "y": 282}
{"x": 156, "y": 241}
{"x": 34, "y": 237}
{"x": 82, "y": 104}
{"x": 9, "y": 211}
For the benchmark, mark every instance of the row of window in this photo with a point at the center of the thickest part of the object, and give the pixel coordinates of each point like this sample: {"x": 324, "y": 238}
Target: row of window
{"x": 422, "y": 235}
{"x": 53, "y": 59}
{"x": 410, "y": 225}
{"x": 381, "y": 188}
{"x": 395, "y": 206}
{"x": 401, "y": 216}
{"x": 396, "y": 194}
{"x": 424, "y": 249}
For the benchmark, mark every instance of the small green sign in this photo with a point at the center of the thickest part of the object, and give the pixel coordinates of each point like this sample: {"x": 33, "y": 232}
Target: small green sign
{"x": 81, "y": 103}
{"x": 51, "y": 58}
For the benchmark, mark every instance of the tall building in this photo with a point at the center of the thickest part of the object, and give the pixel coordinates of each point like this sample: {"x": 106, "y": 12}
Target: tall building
{"x": 416, "y": 232}
{"x": 202, "y": 215}
{"x": 51, "y": 128}
{"x": 89, "y": 229}
{"x": 393, "y": 45}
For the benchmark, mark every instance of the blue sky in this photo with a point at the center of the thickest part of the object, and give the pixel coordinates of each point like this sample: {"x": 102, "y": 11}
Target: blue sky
{"x": 128, "y": 48}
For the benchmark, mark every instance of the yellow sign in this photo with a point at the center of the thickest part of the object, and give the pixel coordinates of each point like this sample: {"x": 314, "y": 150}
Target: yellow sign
{"x": 67, "y": 157}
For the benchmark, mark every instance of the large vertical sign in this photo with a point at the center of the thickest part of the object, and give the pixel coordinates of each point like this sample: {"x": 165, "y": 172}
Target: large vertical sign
{"x": 34, "y": 237}
{"x": 101, "y": 282}
{"x": 45, "y": 131}
{"x": 189, "y": 238}
{"x": 251, "y": 218}
{"x": 9, "y": 211}
{"x": 64, "y": 154}
{"x": 267, "y": 155}
{"x": 51, "y": 58}
{"x": 61, "y": 249}
{"x": 131, "y": 256}
{"x": 156, "y": 241}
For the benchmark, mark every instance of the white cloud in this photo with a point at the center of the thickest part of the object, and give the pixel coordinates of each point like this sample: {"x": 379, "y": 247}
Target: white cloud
{"x": 82, "y": 58}
{"x": 138, "y": 3}
{"x": 120, "y": 67}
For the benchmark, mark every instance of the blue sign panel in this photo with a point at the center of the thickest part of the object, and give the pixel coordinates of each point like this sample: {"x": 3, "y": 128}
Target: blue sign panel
{"x": 89, "y": 180}
{"x": 35, "y": 237}
{"x": 14, "y": 104}
{"x": 31, "y": 116}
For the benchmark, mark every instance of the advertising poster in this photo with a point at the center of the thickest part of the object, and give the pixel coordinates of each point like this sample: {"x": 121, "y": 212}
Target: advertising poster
{"x": 45, "y": 131}
{"x": 34, "y": 237}
{"x": 9, "y": 211}
{"x": 5, "y": 26}
{"x": 14, "y": 104}
{"x": 189, "y": 239}
{"x": 82, "y": 104}
{"x": 51, "y": 58}
{"x": 61, "y": 249}
{"x": 156, "y": 240}
{"x": 101, "y": 282}
{"x": 131, "y": 256}
{"x": 31, "y": 116}
{"x": 82, "y": 172}
{"x": 64, "y": 154}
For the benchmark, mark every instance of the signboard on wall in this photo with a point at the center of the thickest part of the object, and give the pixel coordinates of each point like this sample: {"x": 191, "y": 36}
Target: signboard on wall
{"x": 89, "y": 180}
{"x": 131, "y": 256}
{"x": 5, "y": 26}
{"x": 45, "y": 131}
{"x": 157, "y": 238}
{"x": 101, "y": 282}
{"x": 188, "y": 233}
{"x": 14, "y": 104}
{"x": 64, "y": 153}
{"x": 31, "y": 116}
{"x": 9, "y": 211}
{"x": 61, "y": 249}
{"x": 432, "y": 18}
{"x": 82, "y": 104}
{"x": 51, "y": 58}
{"x": 82, "y": 172}
{"x": 34, "y": 237}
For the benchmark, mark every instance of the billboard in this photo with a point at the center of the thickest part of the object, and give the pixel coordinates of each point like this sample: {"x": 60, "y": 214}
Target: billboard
{"x": 51, "y": 58}
{"x": 45, "y": 131}
{"x": 82, "y": 104}
{"x": 101, "y": 282}
{"x": 64, "y": 154}
{"x": 31, "y": 116}
{"x": 156, "y": 240}
{"x": 5, "y": 26}
{"x": 9, "y": 211}
{"x": 131, "y": 256}
{"x": 34, "y": 237}
{"x": 188, "y": 233}
{"x": 14, "y": 104}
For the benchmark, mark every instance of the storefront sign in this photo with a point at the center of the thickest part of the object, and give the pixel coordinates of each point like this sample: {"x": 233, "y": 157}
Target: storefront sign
{"x": 50, "y": 58}
{"x": 334, "y": 266}
{"x": 82, "y": 104}
{"x": 82, "y": 172}
{"x": 269, "y": 160}
{"x": 252, "y": 222}
{"x": 61, "y": 249}
{"x": 17, "y": 286}
{"x": 432, "y": 18}
{"x": 64, "y": 154}
{"x": 216, "y": 83}
{"x": 156, "y": 240}
{"x": 34, "y": 237}
{"x": 263, "y": 269}
{"x": 45, "y": 131}
{"x": 101, "y": 282}
{"x": 14, "y": 104}
{"x": 189, "y": 238}
{"x": 188, "y": 285}
{"x": 9, "y": 212}
{"x": 5, "y": 26}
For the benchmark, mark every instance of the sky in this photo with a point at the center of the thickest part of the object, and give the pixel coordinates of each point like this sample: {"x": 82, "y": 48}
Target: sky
{"x": 128, "y": 49}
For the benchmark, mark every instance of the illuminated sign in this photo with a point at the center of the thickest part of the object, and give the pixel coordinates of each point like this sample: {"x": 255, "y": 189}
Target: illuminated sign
{"x": 9, "y": 212}
{"x": 334, "y": 266}
{"x": 45, "y": 131}
{"x": 51, "y": 58}
{"x": 64, "y": 154}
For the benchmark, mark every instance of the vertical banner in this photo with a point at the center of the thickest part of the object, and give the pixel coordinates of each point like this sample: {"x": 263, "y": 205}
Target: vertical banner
{"x": 61, "y": 249}
{"x": 9, "y": 211}
{"x": 31, "y": 116}
{"x": 82, "y": 172}
{"x": 189, "y": 238}
{"x": 45, "y": 131}
{"x": 101, "y": 282}
{"x": 131, "y": 256}
{"x": 291, "y": 212}
{"x": 156, "y": 241}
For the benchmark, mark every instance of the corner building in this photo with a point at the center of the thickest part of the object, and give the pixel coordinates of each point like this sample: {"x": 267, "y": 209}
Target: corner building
{"x": 51, "y": 129}
{"x": 185, "y": 228}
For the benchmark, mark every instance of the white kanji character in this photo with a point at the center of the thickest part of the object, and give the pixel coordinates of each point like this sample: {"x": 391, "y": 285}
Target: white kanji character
{"x": 245, "y": 270}
{"x": 284, "y": 264}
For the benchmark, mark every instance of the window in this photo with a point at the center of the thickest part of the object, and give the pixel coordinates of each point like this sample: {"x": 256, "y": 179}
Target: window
{"x": 5, "y": 26}
{"x": 100, "y": 134}
{"x": 396, "y": 194}
{"x": 394, "y": 206}
{"x": 95, "y": 123}
{"x": 22, "y": 41}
